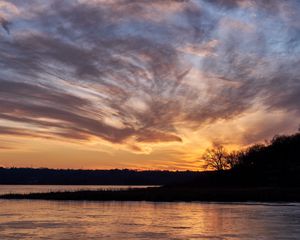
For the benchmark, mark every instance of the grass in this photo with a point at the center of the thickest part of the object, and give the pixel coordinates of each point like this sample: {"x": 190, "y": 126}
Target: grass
{"x": 171, "y": 194}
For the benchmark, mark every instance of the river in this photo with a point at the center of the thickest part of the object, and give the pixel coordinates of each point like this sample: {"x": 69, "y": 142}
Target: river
{"x": 35, "y": 219}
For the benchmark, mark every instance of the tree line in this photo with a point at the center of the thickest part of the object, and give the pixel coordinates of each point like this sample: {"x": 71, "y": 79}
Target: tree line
{"x": 281, "y": 149}
{"x": 275, "y": 162}
{"x": 91, "y": 177}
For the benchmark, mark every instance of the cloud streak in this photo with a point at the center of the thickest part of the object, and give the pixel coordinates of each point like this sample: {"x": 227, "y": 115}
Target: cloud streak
{"x": 122, "y": 70}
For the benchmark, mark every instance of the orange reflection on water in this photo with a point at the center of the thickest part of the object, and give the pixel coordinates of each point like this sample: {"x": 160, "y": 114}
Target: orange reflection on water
{"x": 142, "y": 220}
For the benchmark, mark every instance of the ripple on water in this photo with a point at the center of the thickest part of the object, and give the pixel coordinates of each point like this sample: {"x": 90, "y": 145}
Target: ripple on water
{"x": 141, "y": 220}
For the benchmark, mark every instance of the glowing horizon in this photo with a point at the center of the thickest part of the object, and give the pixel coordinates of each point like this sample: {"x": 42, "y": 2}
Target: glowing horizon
{"x": 107, "y": 84}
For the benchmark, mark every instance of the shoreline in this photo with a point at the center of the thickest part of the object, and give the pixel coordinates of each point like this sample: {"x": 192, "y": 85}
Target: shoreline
{"x": 170, "y": 194}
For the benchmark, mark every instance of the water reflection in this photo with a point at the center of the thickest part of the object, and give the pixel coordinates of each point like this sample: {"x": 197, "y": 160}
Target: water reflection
{"x": 141, "y": 220}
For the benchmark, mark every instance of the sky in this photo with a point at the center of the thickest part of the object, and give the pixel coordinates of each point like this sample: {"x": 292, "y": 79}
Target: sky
{"x": 144, "y": 84}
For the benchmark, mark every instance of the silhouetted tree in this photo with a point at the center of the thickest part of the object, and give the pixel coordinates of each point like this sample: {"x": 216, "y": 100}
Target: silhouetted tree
{"x": 233, "y": 158}
{"x": 252, "y": 156}
{"x": 215, "y": 158}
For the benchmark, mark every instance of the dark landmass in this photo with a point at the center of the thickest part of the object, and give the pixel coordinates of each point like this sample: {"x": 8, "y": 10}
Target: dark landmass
{"x": 266, "y": 173}
{"x": 44, "y": 176}
{"x": 172, "y": 194}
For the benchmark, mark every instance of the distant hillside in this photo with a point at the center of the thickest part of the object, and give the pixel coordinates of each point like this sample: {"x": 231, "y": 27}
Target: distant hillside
{"x": 92, "y": 177}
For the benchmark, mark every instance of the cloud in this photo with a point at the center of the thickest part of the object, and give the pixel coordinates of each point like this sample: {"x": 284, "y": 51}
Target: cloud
{"x": 155, "y": 136}
{"x": 7, "y": 11}
{"x": 119, "y": 70}
{"x": 4, "y": 24}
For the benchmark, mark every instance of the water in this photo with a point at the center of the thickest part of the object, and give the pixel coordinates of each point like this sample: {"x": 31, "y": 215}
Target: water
{"x": 5, "y": 189}
{"x": 34, "y": 219}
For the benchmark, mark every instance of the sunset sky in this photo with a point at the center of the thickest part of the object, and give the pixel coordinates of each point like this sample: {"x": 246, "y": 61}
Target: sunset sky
{"x": 144, "y": 84}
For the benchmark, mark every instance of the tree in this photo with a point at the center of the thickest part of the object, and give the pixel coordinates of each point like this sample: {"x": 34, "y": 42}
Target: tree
{"x": 216, "y": 158}
{"x": 233, "y": 158}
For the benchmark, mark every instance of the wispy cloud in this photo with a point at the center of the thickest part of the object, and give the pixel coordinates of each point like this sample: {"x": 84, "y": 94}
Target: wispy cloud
{"x": 120, "y": 70}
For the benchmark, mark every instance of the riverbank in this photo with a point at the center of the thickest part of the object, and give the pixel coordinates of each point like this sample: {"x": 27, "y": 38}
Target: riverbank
{"x": 171, "y": 194}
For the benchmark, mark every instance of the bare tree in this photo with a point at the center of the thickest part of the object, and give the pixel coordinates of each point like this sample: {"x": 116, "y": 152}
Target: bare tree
{"x": 216, "y": 158}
